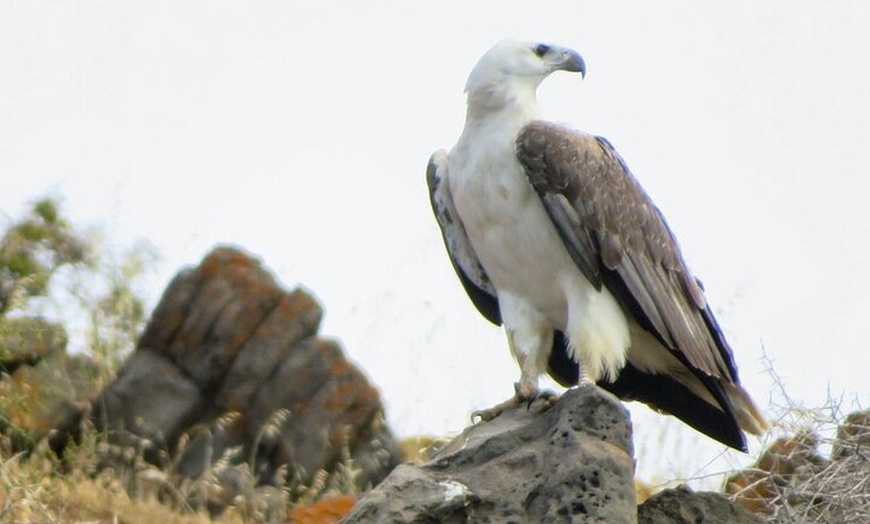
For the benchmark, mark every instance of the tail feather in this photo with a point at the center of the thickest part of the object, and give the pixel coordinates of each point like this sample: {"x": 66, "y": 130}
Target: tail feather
{"x": 745, "y": 410}
{"x": 718, "y": 408}
{"x": 664, "y": 394}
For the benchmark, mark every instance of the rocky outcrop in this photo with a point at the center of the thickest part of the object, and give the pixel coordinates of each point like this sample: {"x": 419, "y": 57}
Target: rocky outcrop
{"x": 42, "y": 386}
{"x": 572, "y": 462}
{"x": 227, "y": 339}
{"x": 683, "y": 506}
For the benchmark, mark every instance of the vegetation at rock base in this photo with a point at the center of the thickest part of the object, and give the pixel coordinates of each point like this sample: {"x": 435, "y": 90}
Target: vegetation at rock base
{"x": 95, "y": 481}
{"x": 60, "y": 286}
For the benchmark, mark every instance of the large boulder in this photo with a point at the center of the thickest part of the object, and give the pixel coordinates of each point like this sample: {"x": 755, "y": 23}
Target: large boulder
{"x": 232, "y": 361}
{"x": 572, "y": 462}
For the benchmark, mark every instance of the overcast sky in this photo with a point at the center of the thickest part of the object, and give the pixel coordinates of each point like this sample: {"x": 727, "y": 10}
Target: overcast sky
{"x": 301, "y": 131}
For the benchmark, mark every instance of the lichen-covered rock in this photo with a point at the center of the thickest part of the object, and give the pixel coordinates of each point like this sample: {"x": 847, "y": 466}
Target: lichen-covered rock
{"x": 225, "y": 339}
{"x": 571, "y": 462}
{"x": 210, "y": 316}
{"x": 42, "y": 387}
{"x": 36, "y": 399}
{"x": 294, "y": 318}
{"x": 326, "y": 511}
{"x": 321, "y": 390}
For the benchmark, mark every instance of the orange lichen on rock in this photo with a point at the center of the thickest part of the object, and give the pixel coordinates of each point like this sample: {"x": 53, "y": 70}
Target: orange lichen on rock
{"x": 220, "y": 258}
{"x": 326, "y": 511}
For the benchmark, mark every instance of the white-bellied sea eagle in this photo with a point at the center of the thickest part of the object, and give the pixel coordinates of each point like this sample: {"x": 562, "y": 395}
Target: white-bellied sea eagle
{"x": 552, "y": 236}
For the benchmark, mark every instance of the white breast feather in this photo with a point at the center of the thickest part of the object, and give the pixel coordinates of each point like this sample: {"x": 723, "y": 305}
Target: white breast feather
{"x": 523, "y": 254}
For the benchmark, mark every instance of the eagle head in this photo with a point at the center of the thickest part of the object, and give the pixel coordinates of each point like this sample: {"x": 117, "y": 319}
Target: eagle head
{"x": 508, "y": 75}
{"x": 522, "y": 62}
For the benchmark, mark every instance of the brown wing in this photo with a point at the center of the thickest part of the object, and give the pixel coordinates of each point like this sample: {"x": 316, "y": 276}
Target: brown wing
{"x": 619, "y": 239}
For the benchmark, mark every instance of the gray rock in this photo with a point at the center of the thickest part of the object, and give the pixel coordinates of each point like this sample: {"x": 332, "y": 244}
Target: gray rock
{"x": 150, "y": 398}
{"x": 295, "y": 318}
{"x": 681, "y": 505}
{"x": 211, "y": 443}
{"x": 571, "y": 462}
{"x": 233, "y": 297}
{"x": 332, "y": 410}
{"x": 36, "y": 399}
{"x": 227, "y": 338}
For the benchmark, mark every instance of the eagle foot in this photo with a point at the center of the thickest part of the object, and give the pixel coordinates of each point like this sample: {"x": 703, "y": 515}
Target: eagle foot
{"x": 543, "y": 399}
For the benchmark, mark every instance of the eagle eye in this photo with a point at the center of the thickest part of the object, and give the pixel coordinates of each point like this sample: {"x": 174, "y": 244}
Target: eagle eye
{"x": 541, "y": 50}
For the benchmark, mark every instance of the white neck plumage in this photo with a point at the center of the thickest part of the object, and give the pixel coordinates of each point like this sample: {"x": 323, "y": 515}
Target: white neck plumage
{"x": 508, "y": 105}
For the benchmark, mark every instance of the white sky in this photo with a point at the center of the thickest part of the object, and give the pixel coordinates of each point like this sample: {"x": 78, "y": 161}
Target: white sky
{"x": 301, "y": 131}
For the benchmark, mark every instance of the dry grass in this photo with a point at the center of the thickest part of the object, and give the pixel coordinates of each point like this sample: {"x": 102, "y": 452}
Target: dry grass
{"x": 98, "y": 482}
{"x": 817, "y": 471}
{"x": 839, "y": 492}
{"x": 42, "y": 488}
{"x": 793, "y": 483}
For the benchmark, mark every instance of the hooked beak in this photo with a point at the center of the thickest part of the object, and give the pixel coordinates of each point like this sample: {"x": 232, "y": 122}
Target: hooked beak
{"x": 573, "y": 62}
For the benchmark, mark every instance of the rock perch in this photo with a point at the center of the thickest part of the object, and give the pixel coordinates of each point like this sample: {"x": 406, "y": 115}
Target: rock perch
{"x": 572, "y": 462}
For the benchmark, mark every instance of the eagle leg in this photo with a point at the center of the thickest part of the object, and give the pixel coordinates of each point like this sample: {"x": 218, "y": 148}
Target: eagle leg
{"x": 530, "y": 340}
{"x": 584, "y": 381}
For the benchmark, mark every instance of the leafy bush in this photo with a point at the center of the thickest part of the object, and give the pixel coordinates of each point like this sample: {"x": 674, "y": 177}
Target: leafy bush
{"x": 48, "y": 267}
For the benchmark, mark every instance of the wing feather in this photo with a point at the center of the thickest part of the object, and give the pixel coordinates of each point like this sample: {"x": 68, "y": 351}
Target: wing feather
{"x": 465, "y": 262}
{"x": 577, "y": 240}
{"x": 617, "y": 236}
